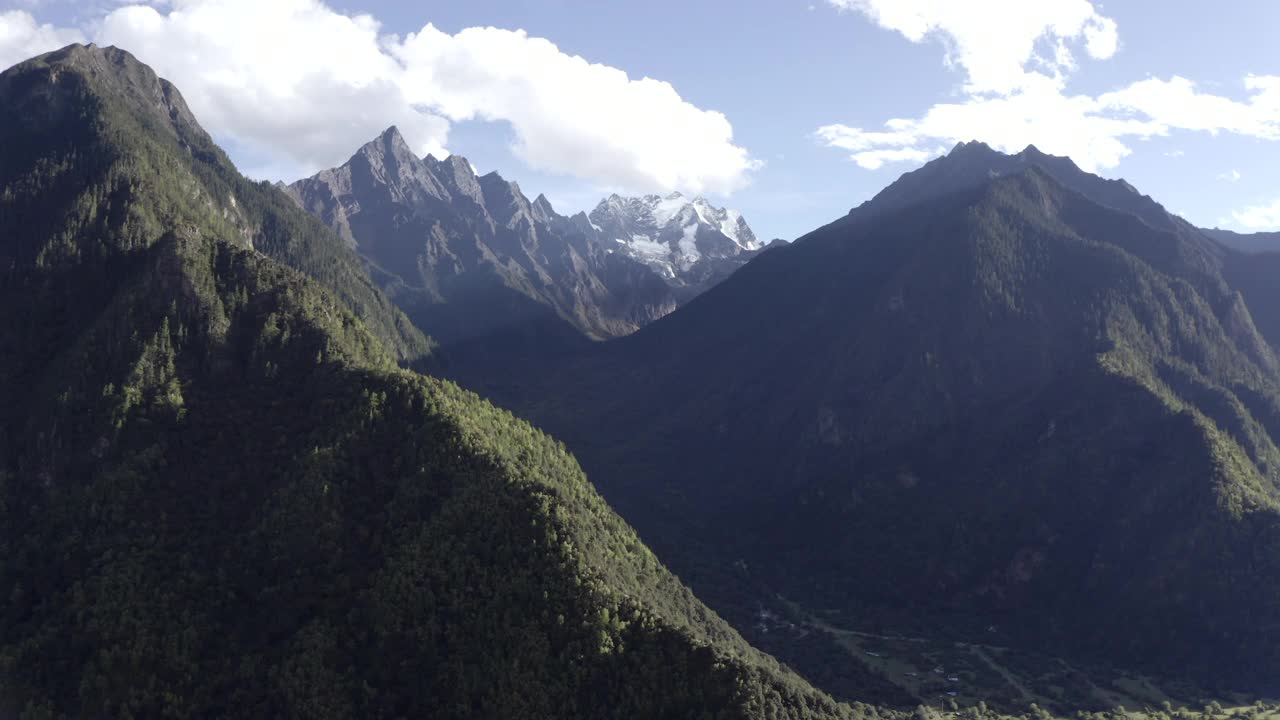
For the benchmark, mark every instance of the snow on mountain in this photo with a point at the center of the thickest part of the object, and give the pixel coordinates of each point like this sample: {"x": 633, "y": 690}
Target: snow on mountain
{"x": 686, "y": 241}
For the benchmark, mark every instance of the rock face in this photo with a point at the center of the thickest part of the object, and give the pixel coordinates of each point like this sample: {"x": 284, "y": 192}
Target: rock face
{"x": 690, "y": 243}
{"x": 471, "y": 256}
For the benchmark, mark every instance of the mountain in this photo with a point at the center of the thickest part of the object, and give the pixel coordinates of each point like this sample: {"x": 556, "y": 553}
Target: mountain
{"x": 1003, "y": 402}
{"x": 221, "y": 496}
{"x": 57, "y": 203}
{"x": 470, "y": 256}
{"x": 690, "y": 243}
{"x": 1246, "y": 242}
{"x": 972, "y": 164}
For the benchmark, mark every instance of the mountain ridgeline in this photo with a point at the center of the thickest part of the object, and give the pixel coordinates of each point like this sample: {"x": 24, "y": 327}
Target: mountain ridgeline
{"x": 1252, "y": 243}
{"x": 1004, "y": 401}
{"x": 220, "y": 495}
{"x": 487, "y": 272}
{"x": 77, "y": 148}
{"x": 470, "y": 257}
{"x": 690, "y": 243}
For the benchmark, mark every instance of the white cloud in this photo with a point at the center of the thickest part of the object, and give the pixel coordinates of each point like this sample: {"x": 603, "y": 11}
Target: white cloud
{"x": 22, "y": 37}
{"x": 302, "y": 84}
{"x": 875, "y": 159}
{"x": 285, "y": 77}
{"x": 1233, "y": 176}
{"x": 995, "y": 40}
{"x": 573, "y": 116}
{"x": 1010, "y": 103}
{"x": 1176, "y": 104}
{"x": 1038, "y": 115}
{"x": 1259, "y": 217}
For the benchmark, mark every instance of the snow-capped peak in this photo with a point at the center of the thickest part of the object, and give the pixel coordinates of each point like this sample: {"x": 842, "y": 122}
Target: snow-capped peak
{"x": 672, "y": 233}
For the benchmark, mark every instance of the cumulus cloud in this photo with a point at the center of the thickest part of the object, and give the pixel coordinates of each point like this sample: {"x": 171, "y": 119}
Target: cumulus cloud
{"x": 1176, "y": 104}
{"x": 1091, "y": 130}
{"x": 303, "y": 85}
{"x": 22, "y": 37}
{"x": 994, "y": 41}
{"x": 1038, "y": 115}
{"x": 875, "y": 159}
{"x": 570, "y": 115}
{"x": 1259, "y": 217}
{"x": 286, "y": 77}
{"x": 1015, "y": 93}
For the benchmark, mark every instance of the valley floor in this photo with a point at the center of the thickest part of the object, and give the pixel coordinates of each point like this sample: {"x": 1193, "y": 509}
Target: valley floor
{"x": 956, "y": 677}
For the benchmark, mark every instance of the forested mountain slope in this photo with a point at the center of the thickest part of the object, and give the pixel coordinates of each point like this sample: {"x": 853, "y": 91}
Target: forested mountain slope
{"x": 1006, "y": 394}
{"x": 87, "y": 133}
{"x": 220, "y": 496}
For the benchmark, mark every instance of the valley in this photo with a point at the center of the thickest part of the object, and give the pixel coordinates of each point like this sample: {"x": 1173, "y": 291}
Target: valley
{"x": 1032, "y": 400}
{"x": 940, "y": 673}
{"x": 388, "y": 438}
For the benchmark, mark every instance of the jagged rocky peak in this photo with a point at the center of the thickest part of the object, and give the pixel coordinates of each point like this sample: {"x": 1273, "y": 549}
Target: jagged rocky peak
{"x": 389, "y": 143}
{"x": 657, "y": 212}
{"x": 673, "y": 234}
{"x": 390, "y": 138}
{"x": 504, "y": 199}
{"x": 459, "y": 165}
{"x": 543, "y": 211}
{"x": 459, "y": 175}
{"x": 427, "y": 222}
{"x": 389, "y": 155}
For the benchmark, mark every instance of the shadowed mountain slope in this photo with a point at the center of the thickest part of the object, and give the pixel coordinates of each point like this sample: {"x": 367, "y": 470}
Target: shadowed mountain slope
{"x": 220, "y": 496}
{"x": 1003, "y": 393}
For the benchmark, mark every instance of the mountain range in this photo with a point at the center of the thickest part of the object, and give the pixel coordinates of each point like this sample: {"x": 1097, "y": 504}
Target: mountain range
{"x": 1006, "y": 407}
{"x": 474, "y": 262}
{"x": 438, "y": 237}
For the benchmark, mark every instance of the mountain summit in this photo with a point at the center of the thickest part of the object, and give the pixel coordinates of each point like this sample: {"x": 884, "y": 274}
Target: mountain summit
{"x": 101, "y": 103}
{"x": 470, "y": 256}
{"x": 971, "y": 164}
{"x": 690, "y": 243}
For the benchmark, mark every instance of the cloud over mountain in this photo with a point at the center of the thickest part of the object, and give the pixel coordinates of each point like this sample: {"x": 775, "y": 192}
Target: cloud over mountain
{"x": 21, "y": 36}
{"x": 1017, "y": 58}
{"x": 302, "y": 83}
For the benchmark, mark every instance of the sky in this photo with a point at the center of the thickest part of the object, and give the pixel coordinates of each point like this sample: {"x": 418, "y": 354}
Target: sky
{"x": 792, "y": 111}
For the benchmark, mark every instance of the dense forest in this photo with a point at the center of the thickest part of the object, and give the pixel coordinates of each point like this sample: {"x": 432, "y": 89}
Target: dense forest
{"x": 221, "y": 496}
{"x": 1000, "y": 443}
{"x": 1004, "y": 402}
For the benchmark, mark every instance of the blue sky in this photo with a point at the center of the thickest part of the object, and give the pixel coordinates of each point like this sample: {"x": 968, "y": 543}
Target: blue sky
{"x": 774, "y": 107}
